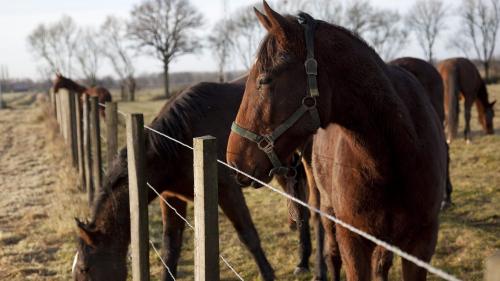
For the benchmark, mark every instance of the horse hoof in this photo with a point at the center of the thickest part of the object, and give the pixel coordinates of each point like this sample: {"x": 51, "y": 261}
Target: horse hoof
{"x": 300, "y": 270}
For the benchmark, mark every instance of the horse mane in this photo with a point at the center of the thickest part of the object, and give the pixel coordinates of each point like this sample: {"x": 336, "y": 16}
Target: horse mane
{"x": 175, "y": 120}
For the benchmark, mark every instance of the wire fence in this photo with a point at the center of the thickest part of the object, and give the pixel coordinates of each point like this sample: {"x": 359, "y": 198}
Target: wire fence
{"x": 434, "y": 270}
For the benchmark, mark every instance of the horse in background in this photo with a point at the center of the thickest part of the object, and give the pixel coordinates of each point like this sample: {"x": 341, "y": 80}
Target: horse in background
{"x": 430, "y": 78}
{"x": 205, "y": 108}
{"x": 462, "y": 80}
{"x": 379, "y": 154}
{"x": 61, "y": 82}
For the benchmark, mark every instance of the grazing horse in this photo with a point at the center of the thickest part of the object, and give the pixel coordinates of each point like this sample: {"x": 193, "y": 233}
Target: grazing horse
{"x": 70, "y": 85}
{"x": 378, "y": 157}
{"x": 430, "y": 78}
{"x": 462, "y": 79}
{"x": 206, "y": 108}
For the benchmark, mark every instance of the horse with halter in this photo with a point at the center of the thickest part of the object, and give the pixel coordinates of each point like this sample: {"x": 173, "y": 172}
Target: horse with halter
{"x": 462, "y": 79}
{"x": 61, "y": 82}
{"x": 205, "y": 108}
{"x": 378, "y": 153}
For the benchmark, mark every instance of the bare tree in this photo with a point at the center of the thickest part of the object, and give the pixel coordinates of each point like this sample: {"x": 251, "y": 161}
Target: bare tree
{"x": 89, "y": 54}
{"x": 117, "y": 49}
{"x": 246, "y": 35}
{"x": 166, "y": 29}
{"x": 480, "y": 20}
{"x": 220, "y": 42}
{"x": 55, "y": 44}
{"x": 387, "y": 34}
{"x": 427, "y": 19}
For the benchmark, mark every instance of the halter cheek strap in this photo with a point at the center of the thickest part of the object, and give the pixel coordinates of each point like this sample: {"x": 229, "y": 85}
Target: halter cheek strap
{"x": 266, "y": 142}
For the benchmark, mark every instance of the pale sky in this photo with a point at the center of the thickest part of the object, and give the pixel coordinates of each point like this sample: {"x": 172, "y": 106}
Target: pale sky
{"x": 19, "y": 17}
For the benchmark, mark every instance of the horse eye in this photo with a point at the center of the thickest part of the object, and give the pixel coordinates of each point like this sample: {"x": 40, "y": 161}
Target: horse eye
{"x": 84, "y": 269}
{"x": 264, "y": 80}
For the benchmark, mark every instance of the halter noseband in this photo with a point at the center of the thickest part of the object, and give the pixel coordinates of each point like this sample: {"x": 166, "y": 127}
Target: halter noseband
{"x": 266, "y": 142}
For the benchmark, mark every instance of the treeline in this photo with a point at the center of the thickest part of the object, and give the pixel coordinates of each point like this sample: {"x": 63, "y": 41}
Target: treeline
{"x": 168, "y": 29}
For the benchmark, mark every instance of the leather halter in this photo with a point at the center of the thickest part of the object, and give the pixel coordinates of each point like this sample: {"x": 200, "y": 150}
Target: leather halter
{"x": 266, "y": 142}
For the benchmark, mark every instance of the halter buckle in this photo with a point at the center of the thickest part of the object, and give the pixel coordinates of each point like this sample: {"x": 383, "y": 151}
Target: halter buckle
{"x": 311, "y": 66}
{"x": 266, "y": 144}
{"x": 309, "y": 102}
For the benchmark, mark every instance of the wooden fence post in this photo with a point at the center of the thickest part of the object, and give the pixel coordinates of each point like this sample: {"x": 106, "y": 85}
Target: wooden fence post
{"x": 70, "y": 125}
{"x": 492, "y": 267}
{"x": 138, "y": 194}
{"x": 59, "y": 111}
{"x": 53, "y": 101}
{"x": 111, "y": 132}
{"x": 87, "y": 150}
{"x": 95, "y": 144}
{"x": 79, "y": 141}
{"x": 206, "y": 222}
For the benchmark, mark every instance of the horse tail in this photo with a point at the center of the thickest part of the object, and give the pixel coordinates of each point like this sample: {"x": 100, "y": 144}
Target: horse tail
{"x": 452, "y": 105}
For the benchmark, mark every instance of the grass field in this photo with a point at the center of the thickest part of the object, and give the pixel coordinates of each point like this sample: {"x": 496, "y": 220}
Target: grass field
{"x": 469, "y": 231}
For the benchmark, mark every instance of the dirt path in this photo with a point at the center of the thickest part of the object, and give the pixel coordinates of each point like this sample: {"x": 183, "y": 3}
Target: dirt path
{"x": 33, "y": 225}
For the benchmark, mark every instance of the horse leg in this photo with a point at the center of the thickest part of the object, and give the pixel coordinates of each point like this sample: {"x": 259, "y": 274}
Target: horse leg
{"x": 331, "y": 251}
{"x": 467, "y": 116}
{"x": 381, "y": 263}
{"x": 320, "y": 272}
{"x": 233, "y": 204}
{"x": 173, "y": 228}
{"x": 422, "y": 246}
{"x": 356, "y": 254}
{"x": 305, "y": 241}
{"x": 449, "y": 187}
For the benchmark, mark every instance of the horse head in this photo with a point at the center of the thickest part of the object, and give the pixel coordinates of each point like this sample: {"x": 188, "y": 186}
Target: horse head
{"x": 278, "y": 110}
{"x": 96, "y": 257}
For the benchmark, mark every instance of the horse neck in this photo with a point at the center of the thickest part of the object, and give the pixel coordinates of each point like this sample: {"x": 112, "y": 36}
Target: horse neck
{"x": 111, "y": 215}
{"x": 73, "y": 86}
{"x": 370, "y": 108}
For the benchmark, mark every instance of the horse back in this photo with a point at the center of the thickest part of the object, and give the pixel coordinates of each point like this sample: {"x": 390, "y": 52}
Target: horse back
{"x": 463, "y": 73}
{"x": 430, "y": 79}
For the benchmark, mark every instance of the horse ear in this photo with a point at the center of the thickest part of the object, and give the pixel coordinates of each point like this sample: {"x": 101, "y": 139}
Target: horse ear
{"x": 58, "y": 74}
{"x": 263, "y": 19}
{"x": 277, "y": 21}
{"x": 85, "y": 233}
{"x": 493, "y": 103}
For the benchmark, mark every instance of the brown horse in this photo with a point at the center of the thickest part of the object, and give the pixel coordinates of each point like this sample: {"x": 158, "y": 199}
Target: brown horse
{"x": 430, "y": 78}
{"x": 65, "y": 83}
{"x": 379, "y": 157}
{"x": 462, "y": 79}
{"x": 206, "y": 108}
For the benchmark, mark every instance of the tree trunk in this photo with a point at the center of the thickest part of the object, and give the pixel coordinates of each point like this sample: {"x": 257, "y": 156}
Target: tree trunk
{"x": 131, "y": 88}
{"x": 123, "y": 91}
{"x": 486, "y": 65}
{"x": 221, "y": 75}
{"x": 166, "y": 80}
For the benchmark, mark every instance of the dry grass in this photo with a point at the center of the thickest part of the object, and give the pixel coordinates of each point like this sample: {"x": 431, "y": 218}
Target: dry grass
{"x": 40, "y": 198}
{"x": 469, "y": 230}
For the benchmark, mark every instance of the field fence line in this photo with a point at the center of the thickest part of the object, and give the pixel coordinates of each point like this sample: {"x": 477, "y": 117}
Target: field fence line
{"x": 192, "y": 228}
{"x": 434, "y": 270}
{"x": 161, "y": 259}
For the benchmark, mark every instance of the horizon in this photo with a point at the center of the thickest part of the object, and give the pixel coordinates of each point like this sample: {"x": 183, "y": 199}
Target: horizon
{"x": 27, "y": 14}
